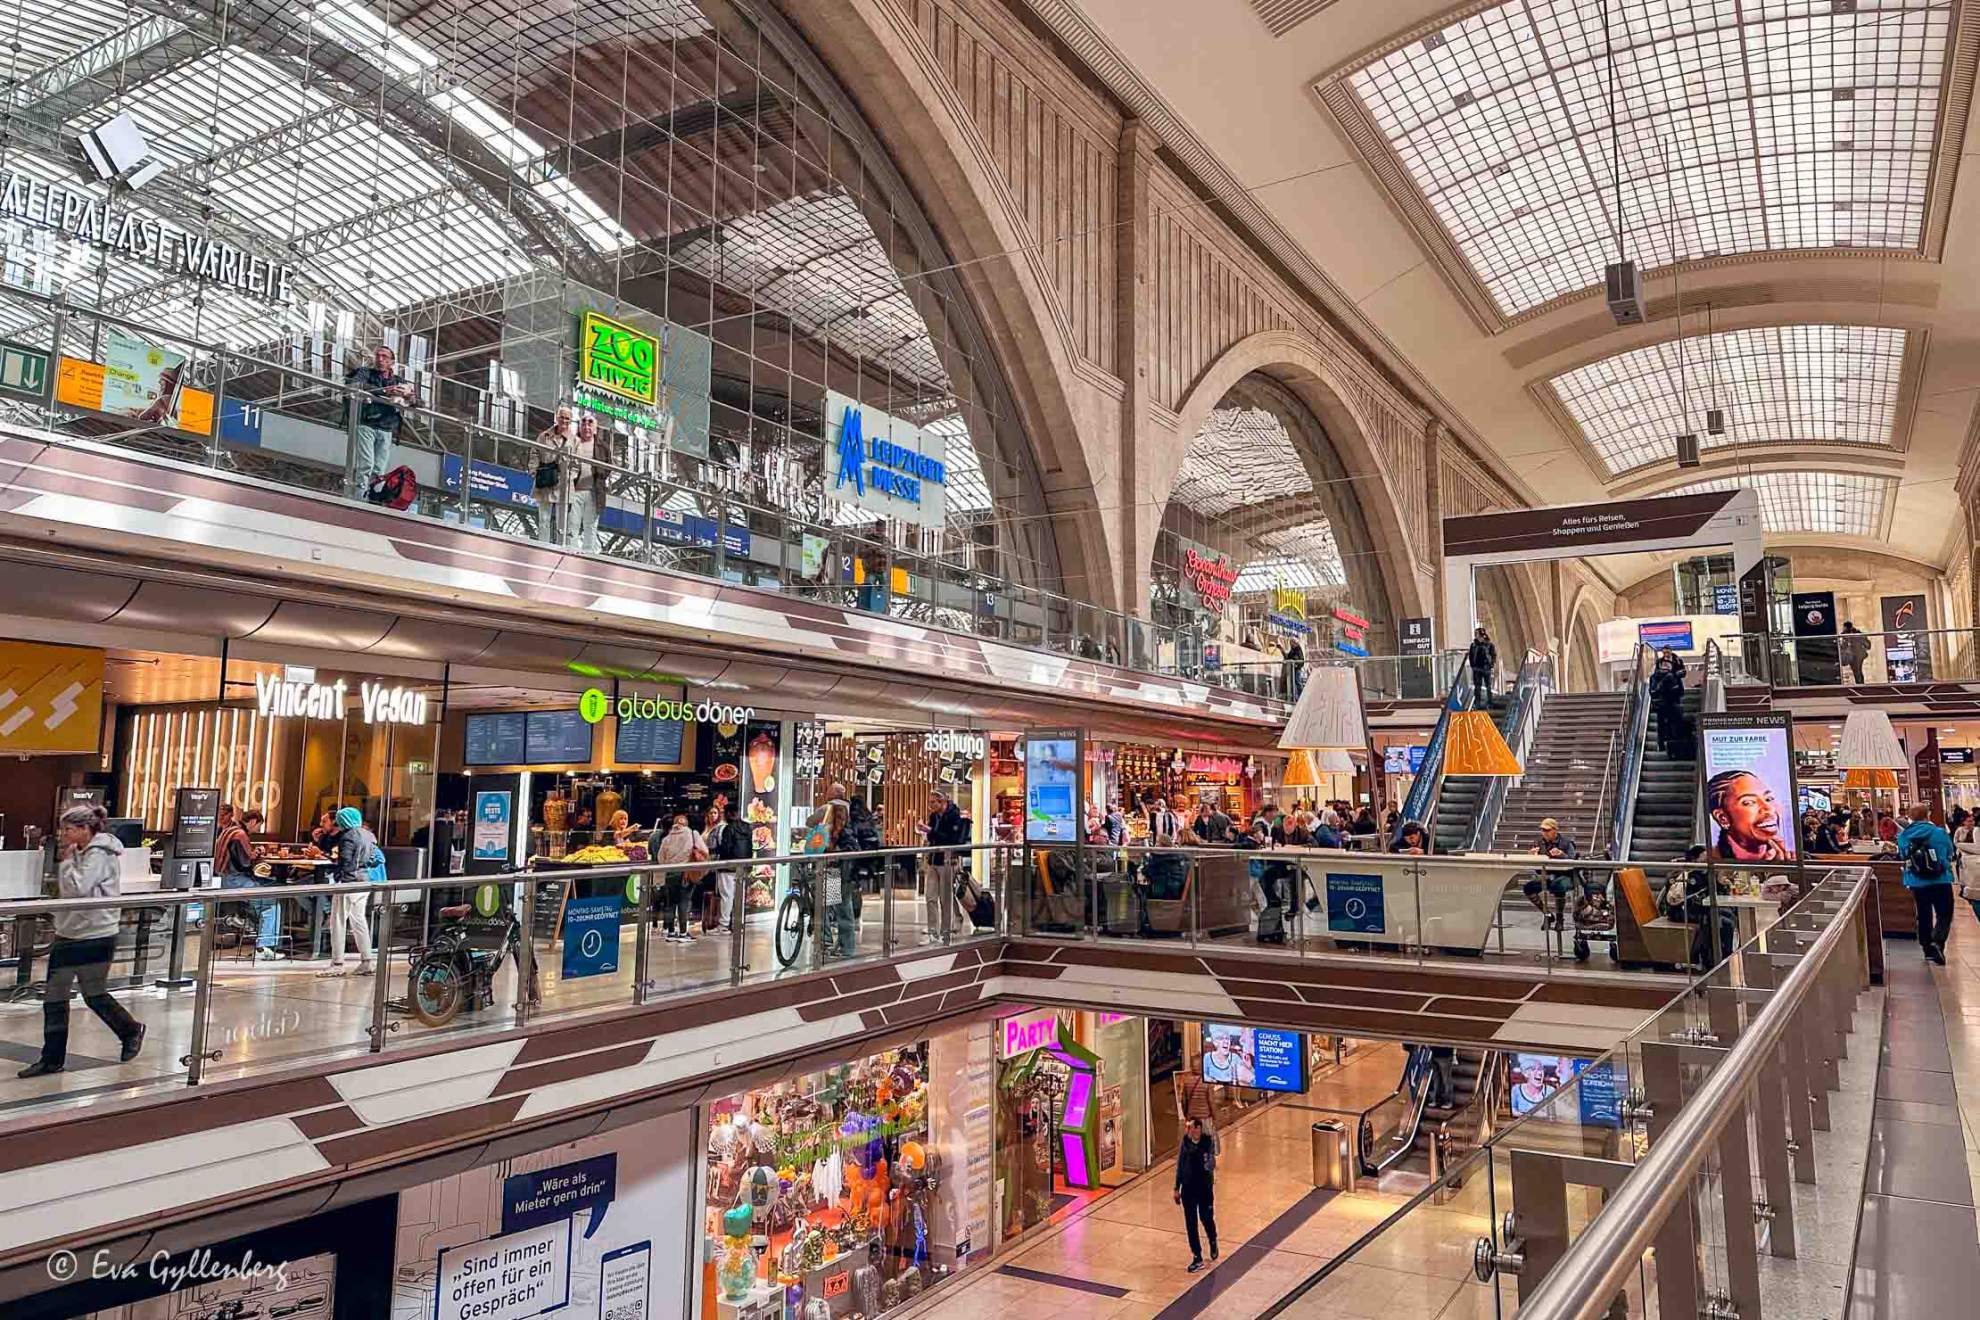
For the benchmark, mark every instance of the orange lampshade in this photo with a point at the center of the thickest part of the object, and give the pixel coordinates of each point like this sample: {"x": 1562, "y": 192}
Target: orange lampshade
{"x": 1477, "y": 747}
{"x": 1870, "y": 778}
{"x": 1300, "y": 771}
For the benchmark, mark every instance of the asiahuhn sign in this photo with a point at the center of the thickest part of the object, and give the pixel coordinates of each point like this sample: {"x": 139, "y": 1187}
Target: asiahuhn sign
{"x": 884, "y": 465}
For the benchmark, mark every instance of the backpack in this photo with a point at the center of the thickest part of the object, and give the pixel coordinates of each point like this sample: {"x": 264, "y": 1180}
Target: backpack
{"x": 396, "y": 489}
{"x": 1923, "y": 860}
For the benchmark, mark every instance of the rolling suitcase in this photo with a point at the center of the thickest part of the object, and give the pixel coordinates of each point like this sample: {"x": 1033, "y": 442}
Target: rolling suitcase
{"x": 1271, "y": 924}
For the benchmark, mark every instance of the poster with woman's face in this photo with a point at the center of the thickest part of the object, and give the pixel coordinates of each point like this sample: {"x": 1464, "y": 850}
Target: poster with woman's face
{"x": 1749, "y": 786}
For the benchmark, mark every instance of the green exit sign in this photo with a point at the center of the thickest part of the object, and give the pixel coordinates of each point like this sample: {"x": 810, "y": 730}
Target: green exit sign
{"x": 23, "y": 371}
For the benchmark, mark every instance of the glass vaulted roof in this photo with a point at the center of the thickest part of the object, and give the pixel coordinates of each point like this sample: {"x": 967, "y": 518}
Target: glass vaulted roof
{"x": 1244, "y": 457}
{"x": 1799, "y": 384}
{"x": 1741, "y": 127}
{"x": 1818, "y": 503}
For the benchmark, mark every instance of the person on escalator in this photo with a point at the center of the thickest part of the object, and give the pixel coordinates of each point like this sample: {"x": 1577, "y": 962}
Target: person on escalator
{"x": 1481, "y": 657}
{"x": 1443, "y": 1077}
{"x": 1667, "y": 704}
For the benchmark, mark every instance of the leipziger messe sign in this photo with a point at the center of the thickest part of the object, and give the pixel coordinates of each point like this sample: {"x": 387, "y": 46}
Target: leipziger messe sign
{"x": 884, "y": 465}
{"x": 128, "y": 232}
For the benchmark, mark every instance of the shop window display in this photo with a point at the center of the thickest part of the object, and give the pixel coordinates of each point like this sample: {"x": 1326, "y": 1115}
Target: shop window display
{"x": 821, "y": 1193}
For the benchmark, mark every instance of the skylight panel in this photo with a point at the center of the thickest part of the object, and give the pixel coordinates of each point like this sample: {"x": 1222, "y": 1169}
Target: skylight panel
{"x": 1796, "y": 384}
{"x": 1241, "y": 456}
{"x": 1741, "y": 128}
{"x": 359, "y": 30}
{"x": 1816, "y": 503}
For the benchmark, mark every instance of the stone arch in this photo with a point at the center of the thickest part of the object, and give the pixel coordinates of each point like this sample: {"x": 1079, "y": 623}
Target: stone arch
{"x": 1071, "y": 410}
{"x": 1584, "y": 619}
{"x": 1299, "y": 365}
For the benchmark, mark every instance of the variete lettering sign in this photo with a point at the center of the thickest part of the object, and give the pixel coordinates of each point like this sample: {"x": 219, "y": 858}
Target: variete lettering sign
{"x": 594, "y": 706}
{"x": 619, "y": 359}
{"x": 124, "y": 231}
{"x": 1212, "y": 578}
{"x": 325, "y": 701}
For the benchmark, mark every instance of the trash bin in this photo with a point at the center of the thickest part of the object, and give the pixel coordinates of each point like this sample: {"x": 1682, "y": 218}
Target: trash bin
{"x": 1332, "y": 1166}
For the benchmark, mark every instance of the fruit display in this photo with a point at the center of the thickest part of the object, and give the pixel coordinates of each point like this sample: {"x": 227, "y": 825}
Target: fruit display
{"x": 597, "y": 854}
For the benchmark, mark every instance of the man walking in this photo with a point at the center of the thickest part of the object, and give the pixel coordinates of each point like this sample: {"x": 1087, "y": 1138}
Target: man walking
{"x": 1196, "y": 1190}
{"x": 1853, "y": 648}
{"x": 1482, "y": 657}
{"x": 1927, "y": 851}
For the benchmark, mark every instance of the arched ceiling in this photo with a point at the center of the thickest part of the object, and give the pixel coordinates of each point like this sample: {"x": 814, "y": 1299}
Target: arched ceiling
{"x": 1453, "y": 171}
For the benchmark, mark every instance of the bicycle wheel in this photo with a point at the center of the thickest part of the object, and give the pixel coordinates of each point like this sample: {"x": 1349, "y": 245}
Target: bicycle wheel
{"x": 791, "y": 923}
{"x": 436, "y": 993}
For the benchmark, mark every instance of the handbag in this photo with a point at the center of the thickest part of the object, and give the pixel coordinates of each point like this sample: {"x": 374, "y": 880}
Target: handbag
{"x": 549, "y": 473}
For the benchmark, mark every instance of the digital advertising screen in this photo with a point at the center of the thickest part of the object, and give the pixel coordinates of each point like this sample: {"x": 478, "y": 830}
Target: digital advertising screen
{"x": 1259, "y": 1057}
{"x": 1748, "y": 765}
{"x": 1598, "y": 1097}
{"x": 1674, "y": 635}
{"x": 1051, "y": 788}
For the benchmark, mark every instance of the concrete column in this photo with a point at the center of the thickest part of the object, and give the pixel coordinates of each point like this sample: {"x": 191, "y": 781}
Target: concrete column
{"x": 1138, "y": 515}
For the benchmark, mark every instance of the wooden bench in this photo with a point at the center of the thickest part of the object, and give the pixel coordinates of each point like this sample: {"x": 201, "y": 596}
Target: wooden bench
{"x": 1643, "y": 933}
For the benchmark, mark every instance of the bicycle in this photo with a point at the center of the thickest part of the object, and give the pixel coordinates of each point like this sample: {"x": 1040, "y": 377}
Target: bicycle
{"x": 796, "y": 915}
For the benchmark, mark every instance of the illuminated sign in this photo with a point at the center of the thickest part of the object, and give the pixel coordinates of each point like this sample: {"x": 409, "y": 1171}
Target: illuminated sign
{"x": 619, "y": 359}
{"x": 125, "y": 231}
{"x": 955, "y": 742}
{"x": 1212, "y": 578}
{"x": 594, "y": 706}
{"x": 884, "y": 465}
{"x": 325, "y": 701}
{"x": 1030, "y": 1031}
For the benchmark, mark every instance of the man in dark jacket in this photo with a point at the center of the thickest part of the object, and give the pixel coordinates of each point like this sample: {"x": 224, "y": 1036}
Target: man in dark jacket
{"x": 384, "y": 394}
{"x": 1196, "y": 1190}
{"x": 1853, "y": 648}
{"x": 1482, "y": 658}
{"x": 945, "y": 826}
{"x": 732, "y": 844}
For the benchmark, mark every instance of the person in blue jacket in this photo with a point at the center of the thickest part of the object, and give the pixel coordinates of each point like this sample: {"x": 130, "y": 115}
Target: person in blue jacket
{"x": 1927, "y": 853}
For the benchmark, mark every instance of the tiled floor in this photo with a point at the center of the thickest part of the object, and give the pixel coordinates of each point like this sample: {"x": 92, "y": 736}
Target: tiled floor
{"x": 1917, "y": 1244}
{"x": 267, "y": 1014}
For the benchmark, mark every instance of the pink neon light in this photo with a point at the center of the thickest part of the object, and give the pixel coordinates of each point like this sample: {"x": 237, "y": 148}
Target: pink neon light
{"x": 1077, "y": 1096}
{"x": 1074, "y": 1146}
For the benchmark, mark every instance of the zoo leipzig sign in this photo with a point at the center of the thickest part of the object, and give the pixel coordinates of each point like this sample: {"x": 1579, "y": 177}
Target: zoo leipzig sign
{"x": 125, "y": 231}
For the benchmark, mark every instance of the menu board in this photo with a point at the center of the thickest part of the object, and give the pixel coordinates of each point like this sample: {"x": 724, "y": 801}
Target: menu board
{"x": 496, "y": 739}
{"x": 648, "y": 742}
{"x": 557, "y": 737}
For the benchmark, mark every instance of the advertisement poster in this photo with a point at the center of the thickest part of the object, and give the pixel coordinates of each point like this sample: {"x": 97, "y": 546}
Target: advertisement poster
{"x": 1259, "y": 1057}
{"x": 1537, "y": 1076}
{"x": 591, "y": 936}
{"x": 147, "y": 384}
{"x": 1051, "y": 788}
{"x": 762, "y": 749}
{"x": 1672, "y": 635}
{"x": 1355, "y": 904}
{"x": 51, "y": 698}
{"x": 1906, "y": 645}
{"x": 567, "y": 1231}
{"x": 1815, "y": 653}
{"x": 1748, "y": 765}
{"x": 491, "y": 826}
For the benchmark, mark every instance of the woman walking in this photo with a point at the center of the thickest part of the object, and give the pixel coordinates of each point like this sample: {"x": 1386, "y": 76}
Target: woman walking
{"x": 84, "y": 942}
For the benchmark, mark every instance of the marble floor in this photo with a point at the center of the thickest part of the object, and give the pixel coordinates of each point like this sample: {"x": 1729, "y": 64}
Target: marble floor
{"x": 264, "y": 1015}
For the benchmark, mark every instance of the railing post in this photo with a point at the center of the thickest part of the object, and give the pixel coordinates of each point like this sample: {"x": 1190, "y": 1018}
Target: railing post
{"x": 738, "y": 918}
{"x": 526, "y": 950}
{"x": 642, "y": 980}
{"x": 382, "y": 975}
{"x": 196, "y": 1059}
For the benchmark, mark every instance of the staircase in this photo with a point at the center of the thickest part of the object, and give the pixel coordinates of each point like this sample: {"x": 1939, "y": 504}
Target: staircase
{"x": 1666, "y": 795}
{"x": 1569, "y": 773}
{"x": 1460, "y": 796}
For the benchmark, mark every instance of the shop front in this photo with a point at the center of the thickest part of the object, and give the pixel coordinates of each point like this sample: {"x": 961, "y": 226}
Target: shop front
{"x": 1072, "y": 1119}
{"x": 859, "y": 1187}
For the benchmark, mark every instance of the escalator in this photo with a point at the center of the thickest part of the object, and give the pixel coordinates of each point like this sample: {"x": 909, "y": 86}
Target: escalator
{"x": 1460, "y": 798}
{"x": 1406, "y": 1133}
{"x": 1665, "y": 820}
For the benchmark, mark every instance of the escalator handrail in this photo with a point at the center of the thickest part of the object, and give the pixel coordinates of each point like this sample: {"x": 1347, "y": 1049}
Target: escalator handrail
{"x": 1636, "y": 725}
{"x": 1536, "y": 679}
{"x": 1412, "y": 1094}
{"x": 1417, "y": 806}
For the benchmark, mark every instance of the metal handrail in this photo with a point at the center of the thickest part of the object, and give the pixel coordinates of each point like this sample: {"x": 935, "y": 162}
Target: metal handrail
{"x": 1536, "y": 679}
{"x": 1421, "y": 802}
{"x": 1585, "y": 1281}
{"x": 1636, "y": 725}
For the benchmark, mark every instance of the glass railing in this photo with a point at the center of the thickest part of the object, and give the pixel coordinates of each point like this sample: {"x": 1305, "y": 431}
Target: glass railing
{"x": 285, "y": 423}
{"x": 1649, "y": 1180}
{"x": 1510, "y": 909}
{"x": 1863, "y": 658}
{"x": 236, "y": 981}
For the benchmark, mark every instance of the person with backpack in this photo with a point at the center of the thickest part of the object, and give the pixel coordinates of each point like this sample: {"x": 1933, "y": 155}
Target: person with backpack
{"x": 1927, "y": 852}
{"x": 359, "y": 861}
{"x": 1481, "y": 657}
{"x": 946, "y": 825}
{"x": 732, "y": 844}
{"x": 85, "y": 941}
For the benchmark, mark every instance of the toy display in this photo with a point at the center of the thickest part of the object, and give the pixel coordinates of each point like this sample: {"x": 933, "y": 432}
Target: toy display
{"x": 826, "y": 1182}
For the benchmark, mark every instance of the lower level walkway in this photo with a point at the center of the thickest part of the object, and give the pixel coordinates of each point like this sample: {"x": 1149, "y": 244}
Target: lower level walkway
{"x": 1917, "y": 1241}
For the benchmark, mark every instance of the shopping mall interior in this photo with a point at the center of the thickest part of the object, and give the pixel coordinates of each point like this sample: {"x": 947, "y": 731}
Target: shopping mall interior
{"x": 1030, "y": 658}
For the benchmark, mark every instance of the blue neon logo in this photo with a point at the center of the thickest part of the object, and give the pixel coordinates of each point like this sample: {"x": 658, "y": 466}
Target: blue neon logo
{"x": 852, "y": 451}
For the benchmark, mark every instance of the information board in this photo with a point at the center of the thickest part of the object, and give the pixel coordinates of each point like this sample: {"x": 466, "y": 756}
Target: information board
{"x": 195, "y": 826}
{"x": 496, "y": 739}
{"x": 1355, "y": 903}
{"x": 1051, "y": 788}
{"x": 648, "y": 742}
{"x": 591, "y": 936}
{"x": 556, "y": 737}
